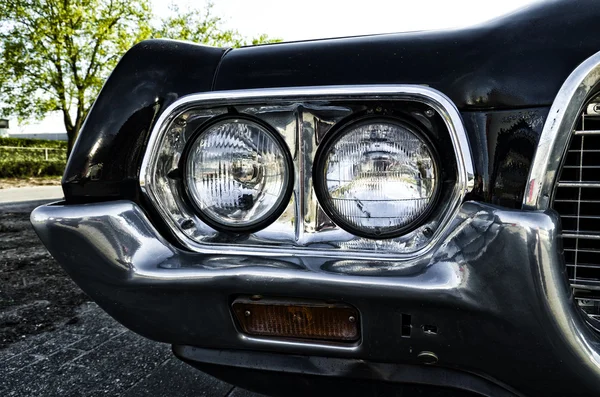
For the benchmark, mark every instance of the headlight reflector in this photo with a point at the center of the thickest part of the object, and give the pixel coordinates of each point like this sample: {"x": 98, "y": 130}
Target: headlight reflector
{"x": 238, "y": 174}
{"x": 378, "y": 178}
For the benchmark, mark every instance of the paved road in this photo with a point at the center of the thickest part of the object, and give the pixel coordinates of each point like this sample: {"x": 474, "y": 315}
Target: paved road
{"x": 22, "y": 194}
{"x": 96, "y": 356}
{"x": 93, "y": 355}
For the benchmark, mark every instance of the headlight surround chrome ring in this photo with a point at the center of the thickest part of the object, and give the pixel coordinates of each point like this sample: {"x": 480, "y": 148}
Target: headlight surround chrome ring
{"x": 191, "y": 192}
{"x": 321, "y": 166}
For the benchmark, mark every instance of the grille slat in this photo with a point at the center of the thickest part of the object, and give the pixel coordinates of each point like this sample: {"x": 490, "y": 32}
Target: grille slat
{"x": 585, "y": 284}
{"x": 583, "y": 250}
{"x": 587, "y": 132}
{"x": 579, "y": 184}
{"x": 577, "y": 235}
{"x": 577, "y": 199}
{"x": 585, "y": 166}
{"x": 581, "y": 216}
{"x": 585, "y": 265}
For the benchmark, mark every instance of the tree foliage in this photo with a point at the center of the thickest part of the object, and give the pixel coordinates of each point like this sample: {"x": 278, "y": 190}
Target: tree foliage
{"x": 203, "y": 26}
{"x": 57, "y": 53}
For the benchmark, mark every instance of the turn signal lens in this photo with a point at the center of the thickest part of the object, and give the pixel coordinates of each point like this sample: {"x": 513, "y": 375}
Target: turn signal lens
{"x": 378, "y": 178}
{"x": 237, "y": 174}
{"x": 296, "y": 319}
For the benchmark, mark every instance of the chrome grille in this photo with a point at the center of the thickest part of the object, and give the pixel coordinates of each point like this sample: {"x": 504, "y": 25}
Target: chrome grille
{"x": 577, "y": 200}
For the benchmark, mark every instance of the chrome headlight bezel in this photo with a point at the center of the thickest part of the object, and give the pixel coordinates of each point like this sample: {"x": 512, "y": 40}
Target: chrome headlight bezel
{"x": 304, "y": 116}
{"x": 319, "y": 179}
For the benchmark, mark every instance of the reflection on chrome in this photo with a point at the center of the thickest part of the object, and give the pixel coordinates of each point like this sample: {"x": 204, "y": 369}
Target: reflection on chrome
{"x": 228, "y": 262}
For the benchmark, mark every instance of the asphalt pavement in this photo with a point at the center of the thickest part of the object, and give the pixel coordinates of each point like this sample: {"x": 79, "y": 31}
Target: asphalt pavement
{"x": 24, "y": 194}
{"x": 93, "y": 355}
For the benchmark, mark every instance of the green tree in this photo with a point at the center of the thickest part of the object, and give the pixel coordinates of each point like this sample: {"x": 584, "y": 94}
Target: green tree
{"x": 201, "y": 25}
{"x": 57, "y": 53}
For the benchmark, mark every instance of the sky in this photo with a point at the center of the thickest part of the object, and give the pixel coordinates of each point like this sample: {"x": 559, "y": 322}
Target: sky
{"x": 313, "y": 19}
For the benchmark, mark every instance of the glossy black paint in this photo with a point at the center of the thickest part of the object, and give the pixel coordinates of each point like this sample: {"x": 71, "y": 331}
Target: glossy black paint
{"x": 503, "y": 144}
{"x": 324, "y": 376}
{"x": 519, "y": 60}
{"x": 105, "y": 161}
{"x": 514, "y": 62}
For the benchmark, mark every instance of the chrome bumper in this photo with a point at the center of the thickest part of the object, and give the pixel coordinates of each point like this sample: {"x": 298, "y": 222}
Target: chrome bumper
{"x": 494, "y": 287}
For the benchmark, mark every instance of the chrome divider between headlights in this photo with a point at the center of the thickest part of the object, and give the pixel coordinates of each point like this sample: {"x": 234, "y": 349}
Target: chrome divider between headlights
{"x": 409, "y": 93}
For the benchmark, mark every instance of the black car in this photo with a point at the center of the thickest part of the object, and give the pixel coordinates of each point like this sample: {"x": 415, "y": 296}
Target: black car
{"x": 351, "y": 216}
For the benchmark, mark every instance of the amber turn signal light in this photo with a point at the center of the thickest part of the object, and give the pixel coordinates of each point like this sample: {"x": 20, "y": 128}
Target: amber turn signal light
{"x": 289, "y": 318}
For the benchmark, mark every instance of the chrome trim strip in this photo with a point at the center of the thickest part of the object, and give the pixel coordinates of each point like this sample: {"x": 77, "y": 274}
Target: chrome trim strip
{"x": 258, "y": 341}
{"x": 441, "y": 103}
{"x": 557, "y": 131}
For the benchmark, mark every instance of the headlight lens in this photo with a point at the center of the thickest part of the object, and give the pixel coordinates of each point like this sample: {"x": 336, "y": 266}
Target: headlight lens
{"x": 378, "y": 178}
{"x": 237, "y": 174}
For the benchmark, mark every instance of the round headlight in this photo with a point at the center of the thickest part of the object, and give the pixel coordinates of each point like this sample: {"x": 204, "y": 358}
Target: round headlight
{"x": 376, "y": 178}
{"x": 238, "y": 175}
